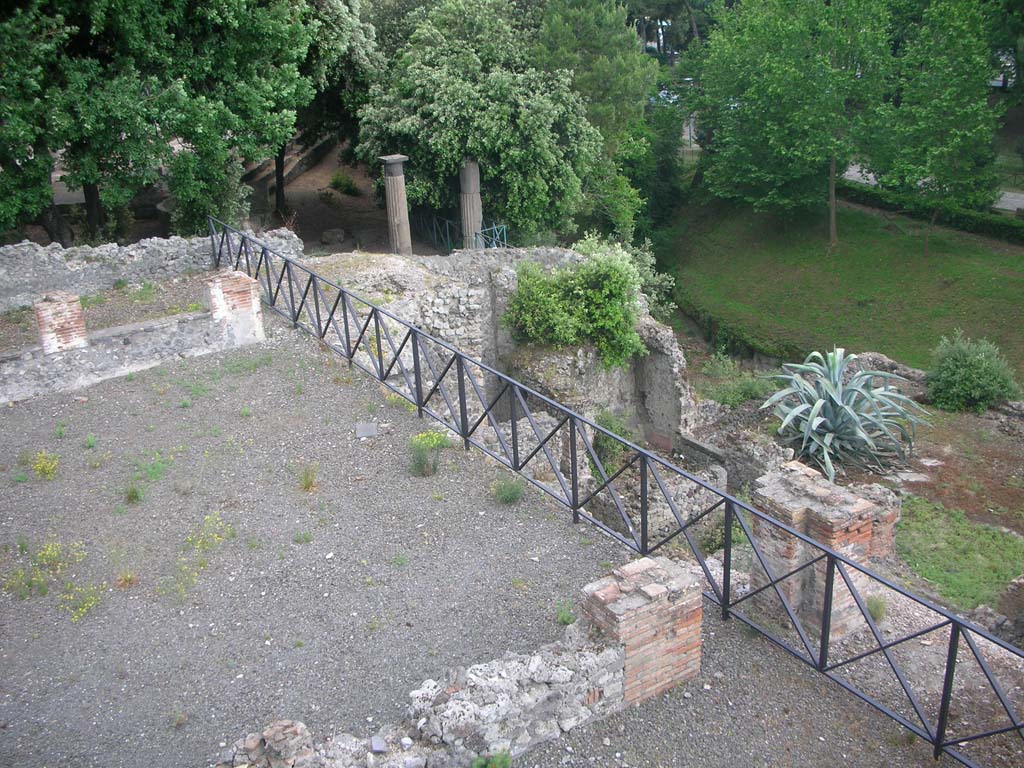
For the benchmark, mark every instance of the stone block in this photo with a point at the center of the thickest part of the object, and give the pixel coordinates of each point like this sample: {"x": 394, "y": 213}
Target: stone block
{"x": 61, "y": 322}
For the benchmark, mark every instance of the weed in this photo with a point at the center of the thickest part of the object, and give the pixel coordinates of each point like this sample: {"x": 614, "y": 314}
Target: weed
{"x": 54, "y": 558}
{"x": 197, "y": 389}
{"x": 397, "y": 401}
{"x": 133, "y": 494}
{"x": 129, "y": 377}
{"x": 20, "y": 476}
{"x": 298, "y": 644}
{"x": 90, "y": 300}
{"x": 302, "y": 537}
{"x": 565, "y": 616}
{"x": 247, "y": 365}
{"x": 586, "y": 542}
{"x": 80, "y": 600}
{"x": 45, "y": 465}
{"x": 437, "y": 496}
{"x": 194, "y": 306}
{"x": 144, "y": 294}
{"x": 120, "y": 284}
{"x": 120, "y": 509}
{"x": 126, "y": 580}
{"x": 611, "y": 451}
{"x": 90, "y": 442}
{"x": 154, "y": 469}
{"x": 22, "y": 542}
{"x": 210, "y": 534}
{"x": 497, "y": 760}
{"x": 372, "y": 408}
{"x": 178, "y": 719}
{"x": 186, "y": 575}
{"x": 245, "y": 412}
{"x": 605, "y": 565}
{"x": 520, "y": 584}
{"x": 425, "y": 452}
{"x": 186, "y": 403}
{"x": 344, "y": 183}
{"x": 23, "y": 583}
{"x": 60, "y": 430}
{"x": 400, "y": 560}
{"x": 299, "y": 389}
{"x": 729, "y": 384}
{"x": 508, "y": 490}
{"x": 876, "y": 607}
{"x": 253, "y": 543}
{"x": 307, "y": 477}
{"x": 373, "y": 624}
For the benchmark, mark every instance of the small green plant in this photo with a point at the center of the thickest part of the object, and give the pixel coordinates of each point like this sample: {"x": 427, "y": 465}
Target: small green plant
{"x": 425, "y": 452}
{"x": 298, "y": 644}
{"x": 80, "y": 600}
{"x": 60, "y": 430}
{"x": 400, "y": 560}
{"x": 245, "y": 412}
{"x": 253, "y": 543}
{"x": 22, "y": 544}
{"x": 520, "y": 584}
{"x": 876, "y": 607}
{"x": 144, "y": 294}
{"x": 126, "y": 579}
{"x": 508, "y": 490}
{"x": 344, "y": 183}
{"x": 45, "y": 465}
{"x": 564, "y": 615}
{"x": 186, "y": 403}
{"x": 729, "y": 384}
{"x": 133, "y": 494}
{"x": 969, "y": 375}
{"x": 20, "y": 476}
{"x": 610, "y": 451}
{"x": 90, "y": 442}
{"x": 210, "y": 534}
{"x": 397, "y": 401}
{"x": 307, "y": 477}
{"x": 302, "y": 537}
{"x": 120, "y": 284}
{"x": 497, "y": 760}
{"x": 831, "y": 418}
{"x": 90, "y": 300}
{"x": 22, "y": 583}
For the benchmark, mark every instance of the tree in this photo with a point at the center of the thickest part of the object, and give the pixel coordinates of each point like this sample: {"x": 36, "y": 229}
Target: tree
{"x": 462, "y": 86}
{"x": 937, "y": 130}
{"x": 784, "y": 88}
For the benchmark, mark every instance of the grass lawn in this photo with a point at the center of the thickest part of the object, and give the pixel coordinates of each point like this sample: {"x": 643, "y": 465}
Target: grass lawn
{"x": 776, "y": 288}
{"x": 969, "y": 563}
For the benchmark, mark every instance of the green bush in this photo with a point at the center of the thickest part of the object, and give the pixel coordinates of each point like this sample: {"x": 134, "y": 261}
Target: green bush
{"x": 497, "y": 760}
{"x": 344, "y": 183}
{"x": 656, "y": 286}
{"x": 729, "y": 384}
{"x": 425, "y": 452}
{"x": 833, "y": 418}
{"x": 593, "y": 302}
{"x": 508, "y": 490}
{"x": 610, "y": 451}
{"x": 969, "y": 375}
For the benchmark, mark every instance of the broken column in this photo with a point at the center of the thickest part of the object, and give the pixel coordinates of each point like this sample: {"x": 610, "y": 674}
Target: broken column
{"x": 653, "y": 607}
{"x": 61, "y": 322}
{"x": 858, "y": 522}
{"x": 469, "y": 203}
{"x": 235, "y": 306}
{"x": 398, "y": 206}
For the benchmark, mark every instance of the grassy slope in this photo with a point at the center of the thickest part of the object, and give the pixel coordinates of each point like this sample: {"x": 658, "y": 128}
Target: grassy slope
{"x": 780, "y": 290}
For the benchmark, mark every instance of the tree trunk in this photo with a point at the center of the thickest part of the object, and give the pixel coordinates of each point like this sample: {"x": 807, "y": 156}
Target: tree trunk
{"x": 57, "y": 227}
{"x": 280, "y": 204}
{"x": 693, "y": 22}
{"x": 833, "y": 229}
{"x": 94, "y": 215}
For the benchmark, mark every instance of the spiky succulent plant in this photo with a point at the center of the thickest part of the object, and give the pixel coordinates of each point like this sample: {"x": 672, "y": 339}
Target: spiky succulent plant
{"x": 834, "y": 417}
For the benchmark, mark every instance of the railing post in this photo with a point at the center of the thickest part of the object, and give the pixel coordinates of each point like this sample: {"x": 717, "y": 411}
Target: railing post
{"x": 214, "y": 253}
{"x": 463, "y": 414}
{"x": 348, "y": 333}
{"x": 643, "y": 506}
{"x": 572, "y": 469}
{"x": 515, "y": 428}
{"x": 320, "y": 330}
{"x": 947, "y": 690}
{"x": 727, "y": 561}
{"x": 291, "y": 295}
{"x": 376, "y": 341}
{"x": 418, "y": 381}
{"x": 826, "y": 612}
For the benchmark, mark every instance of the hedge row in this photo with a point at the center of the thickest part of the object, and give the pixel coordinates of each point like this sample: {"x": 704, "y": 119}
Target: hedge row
{"x": 994, "y": 225}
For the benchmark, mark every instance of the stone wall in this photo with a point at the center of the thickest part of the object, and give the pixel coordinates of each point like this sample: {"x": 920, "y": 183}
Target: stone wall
{"x": 76, "y": 359}
{"x": 640, "y": 634}
{"x": 28, "y": 270}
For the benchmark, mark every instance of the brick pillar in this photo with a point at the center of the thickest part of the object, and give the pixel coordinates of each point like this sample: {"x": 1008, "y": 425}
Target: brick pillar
{"x": 61, "y": 322}
{"x": 653, "y": 607}
{"x": 855, "y": 521}
{"x": 235, "y": 305}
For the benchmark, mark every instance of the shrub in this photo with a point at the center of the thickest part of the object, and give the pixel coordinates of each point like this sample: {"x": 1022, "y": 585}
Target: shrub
{"x": 593, "y": 302}
{"x": 497, "y": 760}
{"x": 656, "y": 286}
{"x": 307, "y": 477}
{"x": 730, "y": 385}
{"x": 344, "y": 183}
{"x": 508, "y": 490}
{"x": 969, "y": 375}
{"x": 610, "y": 451}
{"x": 425, "y": 452}
{"x": 45, "y": 465}
{"x": 833, "y": 418}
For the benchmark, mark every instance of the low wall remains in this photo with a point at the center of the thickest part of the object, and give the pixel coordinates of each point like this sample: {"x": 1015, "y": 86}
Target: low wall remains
{"x": 70, "y": 358}
{"x": 29, "y": 271}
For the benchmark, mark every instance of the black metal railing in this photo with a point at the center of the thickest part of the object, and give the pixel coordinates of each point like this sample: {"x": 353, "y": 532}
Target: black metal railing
{"x": 951, "y": 683}
{"x": 446, "y": 235}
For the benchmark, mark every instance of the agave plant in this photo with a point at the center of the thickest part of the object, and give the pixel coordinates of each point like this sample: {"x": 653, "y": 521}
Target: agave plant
{"x": 832, "y": 417}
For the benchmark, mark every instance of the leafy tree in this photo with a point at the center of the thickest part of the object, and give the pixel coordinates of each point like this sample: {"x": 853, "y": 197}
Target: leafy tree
{"x": 784, "y": 87}
{"x": 462, "y": 86}
{"x": 938, "y": 129}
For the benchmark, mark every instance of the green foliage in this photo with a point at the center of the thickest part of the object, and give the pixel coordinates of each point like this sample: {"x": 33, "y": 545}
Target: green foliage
{"x": 876, "y": 607}
{"x": 969, "y": 563}
{"x": 302, "y": 537}
{"x": 656, "y": 286}
{"x": 463, "y": 86}
{"x": 210, "y": 534}
{"x": 307, "y": 476}
{"x": 784, "y": 87}
{"x": 508, "y": 490}
{"x": 729, "y": 384}
{"x": 497, "y": 760}
{"x": 610, "y": 451}
{"x": 90, "y": 442}
{"x": 344, "y": 183}
{"x": 833, "y": 417}
{"x": 133, "y": 494}
{"x": 564, "y": 614}
{"x": 969, "y": 375}
{"x": 79, "y": 600}
{"x": 591, "y": 302}
{"x": 206, "y": 182}
{"x": 425, "y": 452}
{"x": 45, "y": 465}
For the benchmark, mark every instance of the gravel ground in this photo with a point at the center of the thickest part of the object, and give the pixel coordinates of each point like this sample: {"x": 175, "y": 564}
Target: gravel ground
{"x": 403, "y": 577}
{"x": 752, "y": 705}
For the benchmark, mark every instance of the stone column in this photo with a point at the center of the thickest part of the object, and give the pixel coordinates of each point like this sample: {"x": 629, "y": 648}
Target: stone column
{"x": 61, "y": 322}
{"x": 235, "y": 306}
{"x": 398, "y": 206}
{"x": 470, "y": 204}
{"x": 653, "y": 607}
